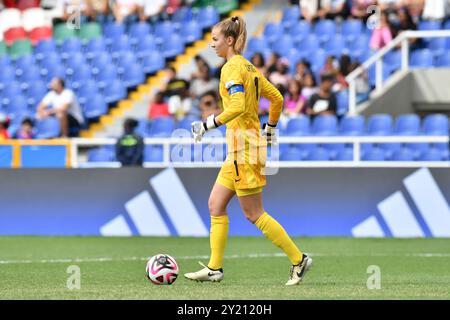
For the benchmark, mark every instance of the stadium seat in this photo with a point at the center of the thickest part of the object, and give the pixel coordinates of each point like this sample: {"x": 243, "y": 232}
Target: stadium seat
{"x": 124, "y": 60}
{"x": 86, "y": 90}
{"x": 31, "y": 74}
{"x": 421, "y": 58}
{"x": 273, "y": 31}
{"x": 106, "y": 76}
{"x": 403, "y": 154}
{"x": 443, "y": 60}
{"x": 436, "y": 124}
{"x": 114, "y": 92}
{"x": 5, "y": 62}
{"x": 324, "y": 125}
{"x": 392, "y": 60}
{"x": 162, "y": 127}
{"x": 352, "y": 126}
{"x": 51, "y": 71}
{"x": 291, "y": 154}
{"x": 69, "y": 47}
{"x": 172, "y": 46}
{"x": 429, "y": 25}
{"x": 94, "y": 47}
{"x": 61, "y": 32}
{"x": 182, "y": 15}
{"x": 185, "y": 123}
{"x": 153, "y": 153}
{"x": 335, "y": 46}
{"x": 290, "y": 16}
{"x": 358, "y": 47}
{"x": 13, "y": 34}
{"x": 191, "y": 32}
{"x": 283, "y": 45}
{"x": 431, "y": 154}
{"x": 44, "y": 47}
{"x": 95, "y": 107}
{"x": 34, "y": 18}
{"x": 74, "y": 60}
{"x": 35, "y": 93}
{"x": 325, "y": 30}
{"x": 299, "y": 126}
{"x": 407, "y": 124}
{"x": 8, "y": 74}
{"x": 257, "y": 45}
{"x": 145, "y": 45}
{"x": 152, "y": 62}
{"x": 10, "y": 18}
{"x": 48, "y": 128}
{"x": 437, "y": 46}
{"x": 79, "y": 74}
{"x": 17, "y": 104}
{"x": 113, "y": 30}
{"x": 101, "y": 155}
{"x": 346, "y": 154}
{"x": 310, "y": 44}
{"x": 207, "y": 17}
{"x": 351, "y": 29}
{"x": 120, "y": 44}
{"x": 89, "y": 31}
{"x": 11, "y": 90}
{"x": 319, "y": 154}
{"x": 40, "y": 33}
{"x": 318, "y": 60}
{"x": 3, "y": 49}
{"x": 100, "y": 60}
{"x": 299, "y": 30}
{"x": 133, "y": 76}
{"x": 23, "y": 5}
{"x": 342, "y": 102}
{"x": 24, "y": 62}
{"x": 380, "y": 125}
{"x": 164, "y": 31}
{"x": 49, "y": 59}
{"x": 374, "y": 154}
{"x": 138, "y": 31}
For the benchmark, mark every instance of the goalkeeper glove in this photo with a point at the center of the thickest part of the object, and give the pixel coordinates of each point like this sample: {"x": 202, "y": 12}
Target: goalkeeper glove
{"x": 269, "y": 131}
{"x": 199, "y": 128}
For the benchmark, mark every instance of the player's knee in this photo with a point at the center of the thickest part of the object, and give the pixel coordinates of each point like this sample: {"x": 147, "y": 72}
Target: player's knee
{"x": 215, "y": 209}
{"x": 252, "y": 215}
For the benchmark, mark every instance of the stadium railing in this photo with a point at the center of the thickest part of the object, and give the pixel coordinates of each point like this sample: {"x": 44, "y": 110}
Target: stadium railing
{"x": 377, "y": 59}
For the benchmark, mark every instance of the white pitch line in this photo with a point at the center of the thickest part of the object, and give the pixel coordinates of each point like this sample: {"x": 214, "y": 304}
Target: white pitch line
{"x": 200, "y": 257}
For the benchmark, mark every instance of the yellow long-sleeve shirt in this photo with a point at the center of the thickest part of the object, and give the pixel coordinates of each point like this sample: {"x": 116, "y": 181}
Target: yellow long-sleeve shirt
{"x": 241, "y": 86}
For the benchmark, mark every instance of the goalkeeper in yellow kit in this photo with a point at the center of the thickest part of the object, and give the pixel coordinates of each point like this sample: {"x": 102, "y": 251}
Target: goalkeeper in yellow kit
{"x": 241, "y": 86}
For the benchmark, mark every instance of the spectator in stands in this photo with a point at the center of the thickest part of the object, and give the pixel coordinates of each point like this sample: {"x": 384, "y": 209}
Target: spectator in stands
{"x": 435, "y": 10}
{"x": 153, "y": 11}
{"x": 62, "y": 103}
{"x": 390, "y": 6}
{"x": 343, "y": 71}
{"x": 26, "y": 130}
{"x": 359, "y": 8}
{"x": 4, "y": 124}
{"x": 272, "y": 62}
{"x": 294, "y": 102}
{"x": 130, "y": 146}
{"x": 158, "y": 107}
{"x": 362, "y": 86}
{"x": 258, "y": 61}
{"x": 281, "y": 75}
{"x": 323, "y": 102}
{"x": 180, "y": 104}
{"x": 309, "y": 86}
{"x": 330, "y": 9}
{"x": 309, "y": 9}
{"x": 264, "y": 104}
{"x": 330, "y": 66}
{"x": 125, "y": 11}
{"x": 174, "y": 85}
{"x": 302, "y": 68}
{"x": 405, "y": 22}
{"x": 203, "y": 83}
{"x": 209, "y": 104}
{"x": 99, "y": 10}
{"x": 199, "y": 63}
{"x": 415, "y": 8}
{"x": 381, "y": 35}
{"x": 71, "y": 8}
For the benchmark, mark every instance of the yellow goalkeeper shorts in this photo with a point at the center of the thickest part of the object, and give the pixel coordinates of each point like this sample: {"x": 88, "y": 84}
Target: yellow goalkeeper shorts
{"x": 243, "y": 178}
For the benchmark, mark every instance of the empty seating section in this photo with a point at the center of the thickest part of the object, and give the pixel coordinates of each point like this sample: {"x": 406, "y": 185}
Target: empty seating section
{"x": 100, "y": 62}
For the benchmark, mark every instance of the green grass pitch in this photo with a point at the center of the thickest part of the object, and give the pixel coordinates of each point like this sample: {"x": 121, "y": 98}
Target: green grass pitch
{"x": 114, "y": 268}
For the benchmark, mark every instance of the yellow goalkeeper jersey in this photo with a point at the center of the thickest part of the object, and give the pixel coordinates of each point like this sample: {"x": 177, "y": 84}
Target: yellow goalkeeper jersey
{"x": 241, "y": 87}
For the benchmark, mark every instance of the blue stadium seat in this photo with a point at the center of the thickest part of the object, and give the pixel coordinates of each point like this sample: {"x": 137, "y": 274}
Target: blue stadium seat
{"x": 120, "y": 44}
{"x": 429, "y": 25}
{"x": 5, "y": 61}
{"x": 17, "y": 104}
{"x": 145, "y": 45}
{"x": 333, "y": 149}
{"x": 183, "y": 14}
{"x": 436, "y": 124}
{"x": 392, "y": 60}
{"x": 31, "y": 74}
{"x": 417, "y": 148}
{"x": 8, "y": 74}
{"x": 352, "y": 126}
{"x": 324, "y": 125}
{"x": 86, "y": 90}
{"x": 374, "y": 154}
{"x": 191, "y": 32}
{"x": 95, "y": 107}
{"x": 335, "y": 46}
{"x": 164, "y": 31}
{"x": 437, "y": 46}
{"x": 389, "y": 149}
{"x": 346, "y": 154}
{"x": 372, "y": 74}
{"x": 106, "y": 77}
{"x": 273, "y": 31}
{"x": 403, "y": 154}
{"x": 421, "y": 58}
{"x": 113, "y": 30}
{"x": 153, "y": 153}
{"x": 431, "y": 154}
{"x": 318, "y": 60}
{"x": 133, "y": 76}
{"x": 342, "y": 102}
{"x": 44, "y": 47}
{"x": 358, "y": 47}
{"x": 114, "y": 92}
{"x": 35, "y": 93}
{"x": 74, "y": 60}
{"x": 24, "y": 62}
{"x": 443, "y": 60}
{"x": 207, "y": 16}
{"x": 351, "y": 29}
{"x": 309, "y": 44}
{"x": 94, "y": 47}
{"x": 300, "y": 30}
{"x": 10, "y": 90}
{"x": 124, "y": 60}
{"x": 138, "y": 31}
{"x": 325, "y": 30}
{"x": 152, "y": 62}
{"x": 79, "y": 74}
{"x": 48, "y": 128}
{"x": 185, "y": 123}
{"x": 407, "y": 124}
{"x": 100, "y": 61}
{"x": 51, "y": 71}
{"x": 101, "y": 155}
{"x": 319, "y": 154}
{"x": 283, "y": 45}
{"x": 70, "y": 46}
{"x": 172, "y": 46}
{"x": 257, "y": 45}
{"x": 162, "y": 127}
{"x": 290, "y": 16}
{"x": 299, "y": 126}
{"x": 291, "y": 154}
{"x": 380, "y": 125}
{"x": 51, "y": 59}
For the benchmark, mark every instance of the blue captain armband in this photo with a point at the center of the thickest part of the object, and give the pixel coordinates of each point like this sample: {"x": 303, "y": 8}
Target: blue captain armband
{"x": 235, "y": 89}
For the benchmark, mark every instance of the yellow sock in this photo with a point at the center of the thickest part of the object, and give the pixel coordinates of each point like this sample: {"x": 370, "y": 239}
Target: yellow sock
{"x": 218, "y": 239}
{"x": 275, "y": 233}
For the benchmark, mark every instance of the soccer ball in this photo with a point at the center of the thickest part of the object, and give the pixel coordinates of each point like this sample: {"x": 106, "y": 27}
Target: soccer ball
{"x": 162, "y": 269}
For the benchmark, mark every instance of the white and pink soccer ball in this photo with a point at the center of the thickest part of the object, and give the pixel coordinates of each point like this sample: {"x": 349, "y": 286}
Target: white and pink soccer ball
{"x": 162, "y": 269}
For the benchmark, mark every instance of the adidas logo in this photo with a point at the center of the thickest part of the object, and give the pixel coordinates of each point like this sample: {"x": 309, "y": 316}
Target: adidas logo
{"x": 148, "y": 220}
{"x": 399, "y": 217}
